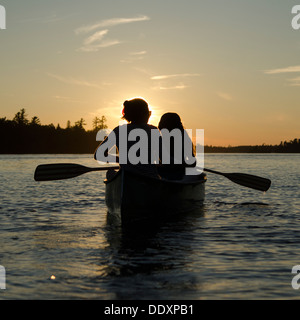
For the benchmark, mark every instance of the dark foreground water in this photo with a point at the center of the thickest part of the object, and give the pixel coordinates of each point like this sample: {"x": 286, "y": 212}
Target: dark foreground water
{"x": 55, "y": 242}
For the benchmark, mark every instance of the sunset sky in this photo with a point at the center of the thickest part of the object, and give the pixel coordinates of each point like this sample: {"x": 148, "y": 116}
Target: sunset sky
{"x": 230, "y": 67}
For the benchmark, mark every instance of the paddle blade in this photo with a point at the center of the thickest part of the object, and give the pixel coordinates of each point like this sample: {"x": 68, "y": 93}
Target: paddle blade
{"x": 250, "y": 181}
{"x": 58, "y": 171}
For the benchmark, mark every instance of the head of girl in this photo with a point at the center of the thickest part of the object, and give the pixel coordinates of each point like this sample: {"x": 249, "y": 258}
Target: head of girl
{"x": 170, "y": 121}
{"x": 136, "y": 111}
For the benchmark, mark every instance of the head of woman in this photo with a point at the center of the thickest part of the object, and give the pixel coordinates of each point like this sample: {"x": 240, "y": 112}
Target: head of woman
{"x": 136, "y": 111}
{"x": 170, "y": 121}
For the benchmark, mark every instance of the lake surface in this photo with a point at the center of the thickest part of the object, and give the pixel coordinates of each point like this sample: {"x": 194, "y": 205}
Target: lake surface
{"x": 57, "y": 244}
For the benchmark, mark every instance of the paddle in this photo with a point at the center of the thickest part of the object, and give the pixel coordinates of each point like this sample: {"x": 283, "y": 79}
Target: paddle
{"x": 246, "y": 180}
{"x": 60, "y": 171}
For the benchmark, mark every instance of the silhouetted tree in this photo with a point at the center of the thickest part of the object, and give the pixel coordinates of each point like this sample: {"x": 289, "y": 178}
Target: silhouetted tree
{"x": 99, "y": 123}
{"x": 80, "y": 124}
{"x": 35, "y": 121}
{"x": 21, "y": 118}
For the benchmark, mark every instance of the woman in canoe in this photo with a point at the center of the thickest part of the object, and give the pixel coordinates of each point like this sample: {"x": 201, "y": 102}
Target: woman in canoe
{"x": 136, "y": 152}
{"x": 179, "y": 146}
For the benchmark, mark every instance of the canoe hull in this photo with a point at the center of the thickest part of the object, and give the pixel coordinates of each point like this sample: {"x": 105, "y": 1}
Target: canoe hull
{"x": 131, "y": 197}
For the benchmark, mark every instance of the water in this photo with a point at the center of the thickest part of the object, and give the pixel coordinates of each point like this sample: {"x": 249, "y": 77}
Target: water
{"x": 56, "y": 242}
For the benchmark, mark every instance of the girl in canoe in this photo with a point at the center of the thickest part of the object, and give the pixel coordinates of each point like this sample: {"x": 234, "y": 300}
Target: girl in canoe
{"x": 136, "y": 152}
{"x": 173, "y": 136}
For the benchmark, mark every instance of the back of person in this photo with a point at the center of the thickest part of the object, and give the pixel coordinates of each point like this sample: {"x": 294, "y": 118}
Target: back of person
{"x": 133, "y": 140}
{"x": 179, "y": 146}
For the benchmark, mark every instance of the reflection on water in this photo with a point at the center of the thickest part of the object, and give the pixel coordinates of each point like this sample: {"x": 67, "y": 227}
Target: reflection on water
{"x": 56, "y": 242}
{"x": 150, "y": 256}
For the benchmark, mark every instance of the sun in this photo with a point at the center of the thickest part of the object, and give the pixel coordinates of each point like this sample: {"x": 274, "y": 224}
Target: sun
{"x": 155, "y": 115}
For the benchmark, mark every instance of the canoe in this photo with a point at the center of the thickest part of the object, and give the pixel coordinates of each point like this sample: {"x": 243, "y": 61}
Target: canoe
{"x": 131, "y": 197}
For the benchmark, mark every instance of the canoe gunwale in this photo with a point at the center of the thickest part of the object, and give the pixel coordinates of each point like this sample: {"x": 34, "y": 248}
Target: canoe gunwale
{"x": 158, "y": 179}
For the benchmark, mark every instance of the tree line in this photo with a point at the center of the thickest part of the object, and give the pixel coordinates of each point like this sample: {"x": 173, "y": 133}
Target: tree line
{"x": 22, "y": 135}
{"x": 292, "y": 146}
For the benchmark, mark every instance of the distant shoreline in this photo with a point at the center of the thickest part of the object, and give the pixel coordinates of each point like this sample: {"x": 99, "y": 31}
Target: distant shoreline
{"x": 23, "y": 136}
{"x": 286, "y": 147}
{"x": 88, "y": 153}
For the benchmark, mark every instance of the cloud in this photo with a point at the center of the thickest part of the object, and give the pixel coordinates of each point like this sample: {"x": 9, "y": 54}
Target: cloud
{"x": 110, "y": 23}
{"x": 97, "y": 36}
{"x": 177, "y": 87}
{"x": 53, "y": 18}
{"x": 139, "y": 53}
{"x": 67, "y": 99}
{"x": 61, "y": 98}
{"x": 283, "y": 70}
{"x": 96, "y": 47}
{"x": 295, "y": 82}
{"x": 135, "y": 56}
{"x": 73, "y": 81}
{"x": 174, "y": 85}
{"x": 225, "y": 96}
{"x": 94, "y": 42}
{"x": 182, "y": 75}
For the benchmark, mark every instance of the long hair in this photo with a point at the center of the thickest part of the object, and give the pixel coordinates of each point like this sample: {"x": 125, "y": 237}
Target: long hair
{"x": 170, "y": 121}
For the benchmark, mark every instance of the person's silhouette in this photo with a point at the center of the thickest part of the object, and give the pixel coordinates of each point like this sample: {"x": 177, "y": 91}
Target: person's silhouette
{"x": 171, "y": 128}
{"x": 136, "y": 112}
